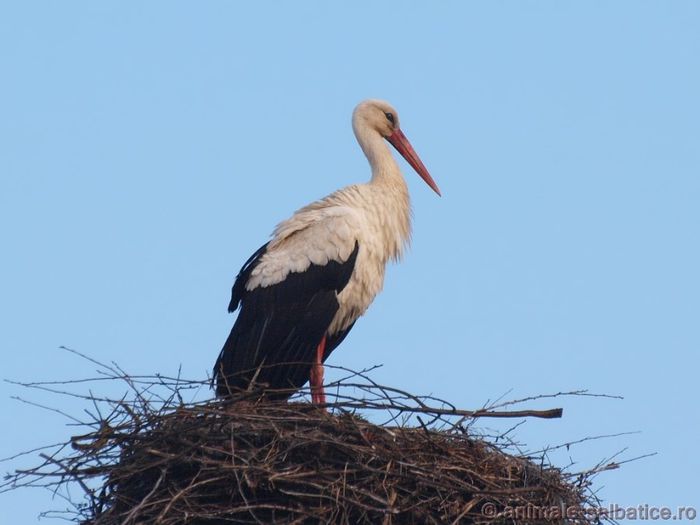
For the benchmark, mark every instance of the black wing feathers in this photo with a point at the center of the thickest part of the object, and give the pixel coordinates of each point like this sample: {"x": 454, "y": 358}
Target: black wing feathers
{"x": 242, "y": 278}
{"x": 274, "y": 338}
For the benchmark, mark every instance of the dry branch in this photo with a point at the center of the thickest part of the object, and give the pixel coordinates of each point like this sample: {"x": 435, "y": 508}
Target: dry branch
{"x": 150, "y": 457}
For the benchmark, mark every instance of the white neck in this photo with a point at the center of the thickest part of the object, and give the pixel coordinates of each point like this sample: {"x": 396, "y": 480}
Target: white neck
{"x": 392, "y": 208}
{"x": 385, "y": 170}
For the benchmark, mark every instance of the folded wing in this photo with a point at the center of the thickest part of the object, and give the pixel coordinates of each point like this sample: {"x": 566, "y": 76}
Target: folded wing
{"x": 287, "y": 292}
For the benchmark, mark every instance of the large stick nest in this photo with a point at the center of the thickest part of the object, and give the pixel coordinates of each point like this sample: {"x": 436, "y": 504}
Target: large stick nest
{"x": 163, "y": 461}
{"x": 263, "y": 463}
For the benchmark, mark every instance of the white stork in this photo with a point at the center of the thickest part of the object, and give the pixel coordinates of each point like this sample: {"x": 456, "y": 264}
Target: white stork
{"x": 301, "y": 293}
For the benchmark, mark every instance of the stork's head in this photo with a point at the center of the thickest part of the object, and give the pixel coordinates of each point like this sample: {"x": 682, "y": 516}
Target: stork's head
{"x": 380, "y": 117}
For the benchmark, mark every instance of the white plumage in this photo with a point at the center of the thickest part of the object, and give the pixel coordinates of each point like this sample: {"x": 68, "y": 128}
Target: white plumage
{"x": 355, "y": 231}
{"x": 327, "y": 231}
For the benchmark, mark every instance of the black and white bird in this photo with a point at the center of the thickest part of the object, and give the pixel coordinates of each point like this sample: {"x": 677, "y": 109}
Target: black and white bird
{"x": 300, "y": 294}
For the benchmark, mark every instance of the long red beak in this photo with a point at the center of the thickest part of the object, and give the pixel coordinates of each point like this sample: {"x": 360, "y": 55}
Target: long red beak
{"x": 403, "y": 146}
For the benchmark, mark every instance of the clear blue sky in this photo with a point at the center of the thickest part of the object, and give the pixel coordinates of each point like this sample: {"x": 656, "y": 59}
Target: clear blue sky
{"x": 147, "y": 148}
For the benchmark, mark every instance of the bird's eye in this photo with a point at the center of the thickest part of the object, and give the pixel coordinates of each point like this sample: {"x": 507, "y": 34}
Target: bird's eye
{"x": 390, "y": 118}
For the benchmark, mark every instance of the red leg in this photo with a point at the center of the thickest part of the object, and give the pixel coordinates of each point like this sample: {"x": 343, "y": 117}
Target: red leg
{"x": 318, "y": 396}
